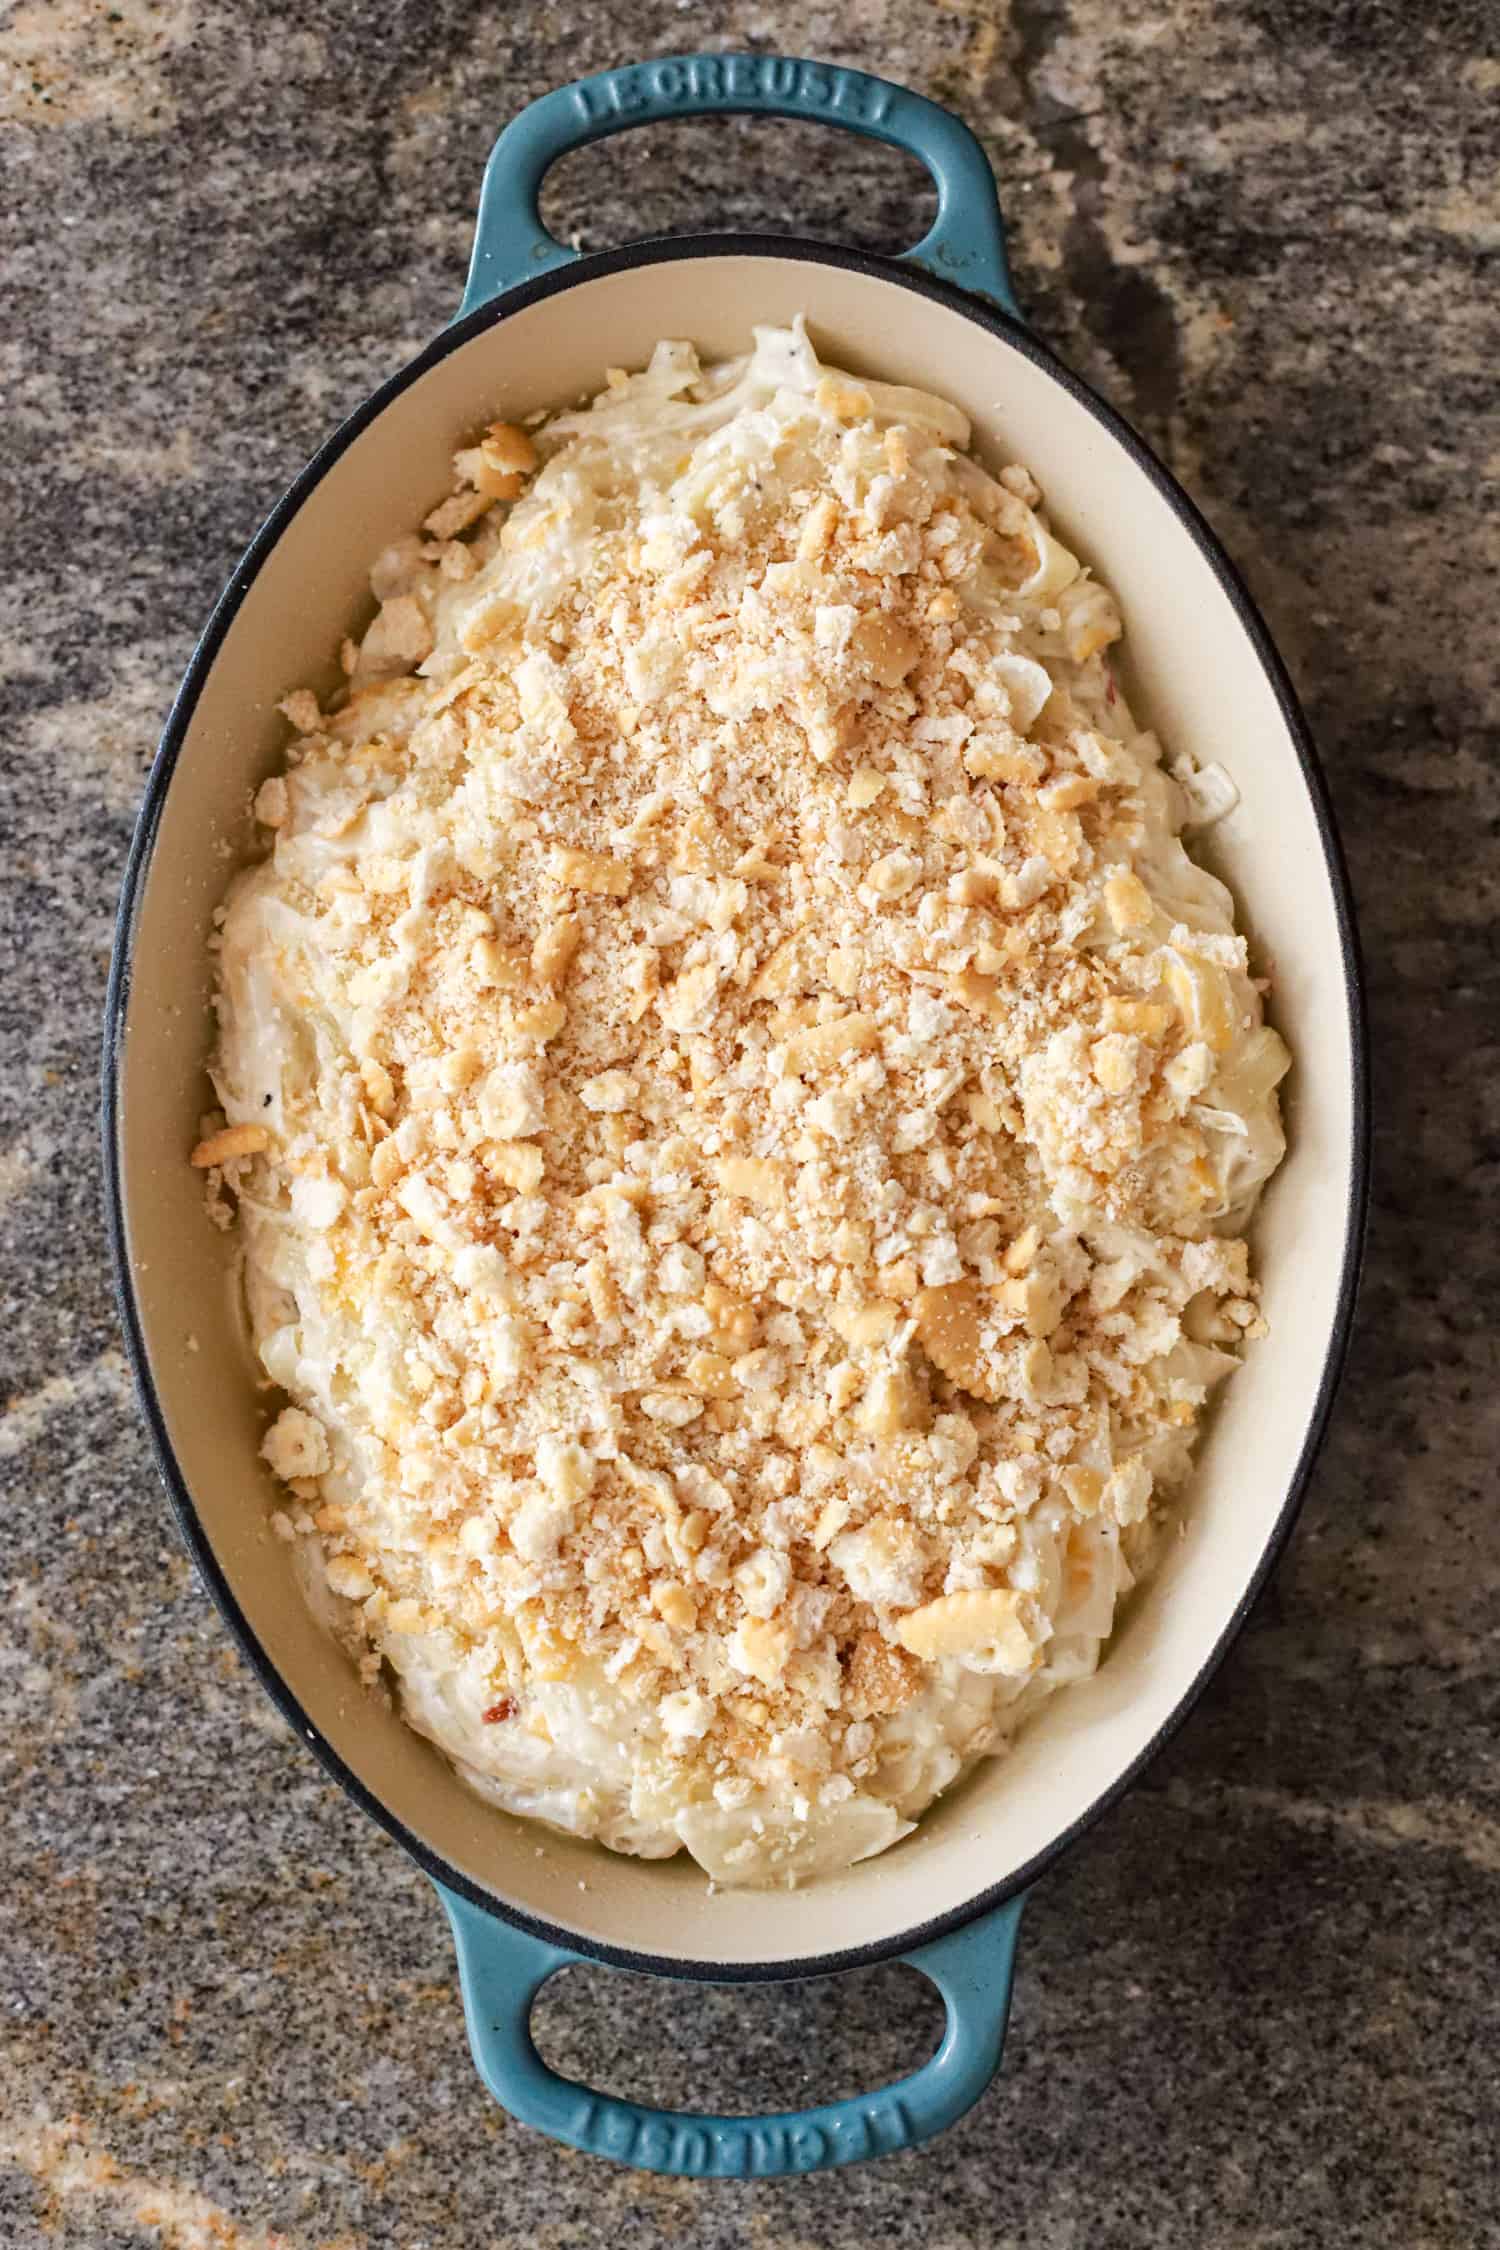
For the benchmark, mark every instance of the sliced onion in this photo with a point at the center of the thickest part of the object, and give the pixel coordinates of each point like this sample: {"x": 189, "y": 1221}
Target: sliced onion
{"x": 1027, "y": 684}
{"x": 1055, "y": 566}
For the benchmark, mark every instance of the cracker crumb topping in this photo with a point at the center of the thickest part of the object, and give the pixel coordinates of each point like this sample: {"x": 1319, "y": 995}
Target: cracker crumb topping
{"x": 741, "y": 1109}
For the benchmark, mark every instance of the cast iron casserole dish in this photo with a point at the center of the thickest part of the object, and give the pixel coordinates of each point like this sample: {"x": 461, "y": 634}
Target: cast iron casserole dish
{"x": 538, "y": 326}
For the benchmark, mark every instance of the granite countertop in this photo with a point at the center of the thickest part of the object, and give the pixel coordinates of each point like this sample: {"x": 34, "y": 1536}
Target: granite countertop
{"x": 1258, "y": 2005}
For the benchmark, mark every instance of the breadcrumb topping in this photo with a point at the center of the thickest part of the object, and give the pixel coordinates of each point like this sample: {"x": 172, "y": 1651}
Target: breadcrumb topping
{"x": 741, "y": 1109}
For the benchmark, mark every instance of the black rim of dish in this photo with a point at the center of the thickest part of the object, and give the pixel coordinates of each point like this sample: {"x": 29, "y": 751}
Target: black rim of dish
{"x": 1011, "y": 332}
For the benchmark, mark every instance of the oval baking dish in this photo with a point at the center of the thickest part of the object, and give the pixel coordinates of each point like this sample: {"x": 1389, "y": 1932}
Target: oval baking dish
{"x": 537, "y": 327}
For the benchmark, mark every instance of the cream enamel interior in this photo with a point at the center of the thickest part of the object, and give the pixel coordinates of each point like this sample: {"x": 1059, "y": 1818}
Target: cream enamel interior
{"x": 1194, "y": 676}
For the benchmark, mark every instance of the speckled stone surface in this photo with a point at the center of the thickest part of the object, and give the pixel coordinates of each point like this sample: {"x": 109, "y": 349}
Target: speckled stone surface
{"x": 1258, "y": 2006}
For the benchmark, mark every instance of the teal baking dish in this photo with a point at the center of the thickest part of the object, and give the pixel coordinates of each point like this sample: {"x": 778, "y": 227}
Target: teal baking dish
{"x": 537, "y": 325}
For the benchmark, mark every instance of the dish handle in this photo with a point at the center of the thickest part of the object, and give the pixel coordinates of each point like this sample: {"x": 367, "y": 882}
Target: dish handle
{"x": 965, "y": 246}
{"x": 502, "y": 1969}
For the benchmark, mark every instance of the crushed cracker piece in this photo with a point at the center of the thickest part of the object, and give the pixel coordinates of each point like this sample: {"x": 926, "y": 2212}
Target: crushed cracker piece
{"x": 591, "y": 871}
{"x": 230, "y": 1145}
